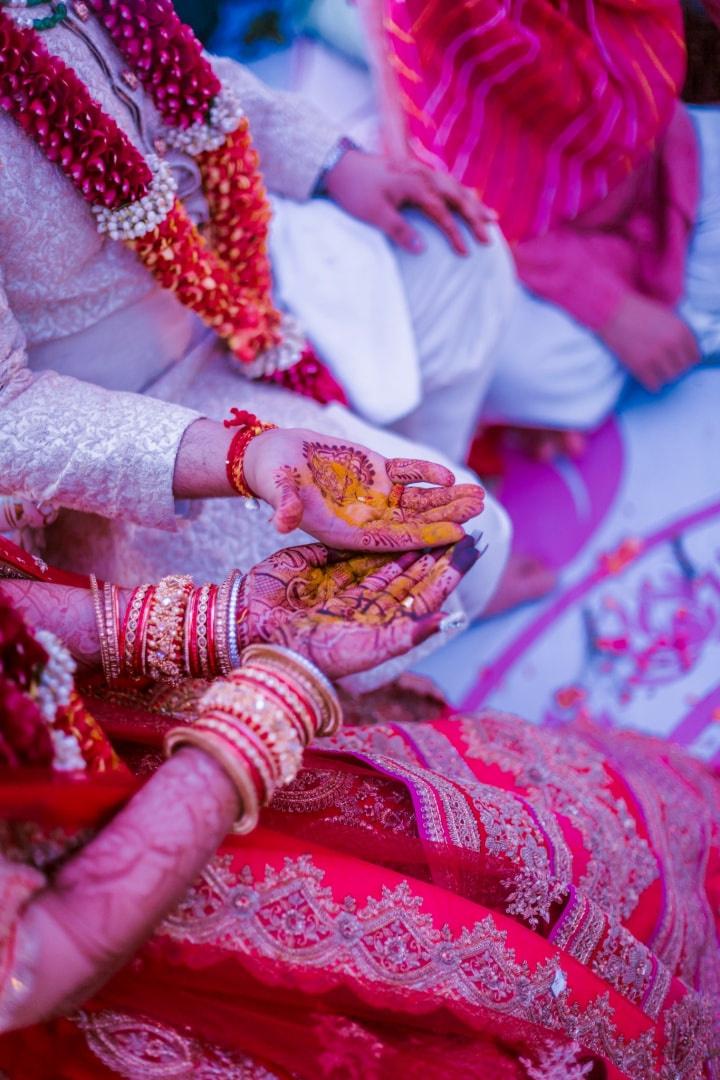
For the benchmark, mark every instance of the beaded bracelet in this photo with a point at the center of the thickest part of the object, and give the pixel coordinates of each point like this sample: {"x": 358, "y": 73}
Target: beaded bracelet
{"x": 250, "y": 428}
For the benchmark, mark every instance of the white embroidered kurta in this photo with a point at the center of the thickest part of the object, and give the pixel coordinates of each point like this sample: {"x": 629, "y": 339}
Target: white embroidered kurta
{"x": 101, "y": 372}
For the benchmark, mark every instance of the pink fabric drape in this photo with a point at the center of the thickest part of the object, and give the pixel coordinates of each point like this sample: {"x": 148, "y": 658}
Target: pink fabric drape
{"x": 543, "y": 106}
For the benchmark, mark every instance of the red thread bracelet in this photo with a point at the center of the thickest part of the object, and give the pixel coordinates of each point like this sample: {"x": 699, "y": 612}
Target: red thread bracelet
{"x": 250, "y": 427}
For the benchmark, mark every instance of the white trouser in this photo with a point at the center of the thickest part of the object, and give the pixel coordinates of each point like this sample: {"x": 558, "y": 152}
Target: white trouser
{"x": 554, "y": 372}
{"x": 412, "y": 338}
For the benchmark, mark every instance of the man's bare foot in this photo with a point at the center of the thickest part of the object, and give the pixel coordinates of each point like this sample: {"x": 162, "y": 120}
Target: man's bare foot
{"x": 524, "y": 579}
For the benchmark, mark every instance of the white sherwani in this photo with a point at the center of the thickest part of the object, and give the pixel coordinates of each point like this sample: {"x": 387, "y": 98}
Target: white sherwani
{"x": 101, "y": 372}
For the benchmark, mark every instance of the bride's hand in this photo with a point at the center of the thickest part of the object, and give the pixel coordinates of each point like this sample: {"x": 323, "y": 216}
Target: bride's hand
{"x": 351, "y": 614}
{"x": 352, "y": 498}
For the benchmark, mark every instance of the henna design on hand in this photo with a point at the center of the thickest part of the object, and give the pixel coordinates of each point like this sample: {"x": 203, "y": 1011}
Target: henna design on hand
{"x": 392, "y": 606}
{"x": 352, "y": 498}
{"x": 298, "y": 579}
{"x": 342, "y": 473}
{"x": 390, "y": 517}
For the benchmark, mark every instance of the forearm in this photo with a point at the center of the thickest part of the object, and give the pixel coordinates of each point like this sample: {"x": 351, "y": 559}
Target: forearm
{"x": 109, "y": 898}
{"x": 65, "y": 611}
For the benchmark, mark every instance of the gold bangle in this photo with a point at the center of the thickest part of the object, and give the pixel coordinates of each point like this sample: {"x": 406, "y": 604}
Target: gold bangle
{"x": 241, "y": 707}
{"x": 259, "y": 754}
{"x": 112, "y": 630}
{"x": 98, "y": 608}
{"x": 308, "y": 676}
{"x": 249, "y": 806}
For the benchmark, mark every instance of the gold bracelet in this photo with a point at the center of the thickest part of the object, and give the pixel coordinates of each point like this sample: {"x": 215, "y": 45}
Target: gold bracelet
{"x": 112, "y": 630}
{"x": 164, "y": 649}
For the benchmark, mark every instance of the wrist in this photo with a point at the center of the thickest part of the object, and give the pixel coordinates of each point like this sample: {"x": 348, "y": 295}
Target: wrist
{"x": 172, "y": 630}
{"x": 344, "y": 149}
{"x": 252, "y": 462}
{"x": 257, "y": 722}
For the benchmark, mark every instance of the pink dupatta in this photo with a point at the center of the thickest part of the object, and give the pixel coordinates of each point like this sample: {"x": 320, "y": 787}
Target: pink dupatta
{"x": 543, "y": 106}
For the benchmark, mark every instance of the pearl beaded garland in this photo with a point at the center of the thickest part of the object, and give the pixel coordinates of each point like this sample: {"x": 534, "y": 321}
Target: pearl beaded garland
{"x": 282, "y": 356}
{"x": 56, "y": 681}
{"x": 224, "y": 117}
{"x": 54, "y": 692}
{"x": 138, "y": 218}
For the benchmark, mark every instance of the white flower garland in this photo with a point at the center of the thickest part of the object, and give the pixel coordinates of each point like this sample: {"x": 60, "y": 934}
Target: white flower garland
{"x": 225, "y": 115}
{"x": 142, "y": 216}
{"x": 54, "y": 691}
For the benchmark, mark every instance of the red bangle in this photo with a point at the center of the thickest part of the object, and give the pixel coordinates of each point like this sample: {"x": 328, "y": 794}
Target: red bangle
{"x": 250, "y": 427}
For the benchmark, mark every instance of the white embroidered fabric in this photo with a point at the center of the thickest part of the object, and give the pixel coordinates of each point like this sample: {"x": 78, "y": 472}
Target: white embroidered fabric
{"x": 101, "y": 372}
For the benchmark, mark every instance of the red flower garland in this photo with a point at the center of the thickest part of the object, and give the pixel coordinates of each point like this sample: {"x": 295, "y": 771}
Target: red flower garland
{"x": 24, "y": 735}
{"x": 228, "y": 286}
{"x": 164, "y": 54}
{"x": 236, "y": 303}
{"x": 50, "y": 103}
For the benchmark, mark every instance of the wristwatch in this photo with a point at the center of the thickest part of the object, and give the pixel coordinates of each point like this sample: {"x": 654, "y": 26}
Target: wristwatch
{"x": 338, "y": 151}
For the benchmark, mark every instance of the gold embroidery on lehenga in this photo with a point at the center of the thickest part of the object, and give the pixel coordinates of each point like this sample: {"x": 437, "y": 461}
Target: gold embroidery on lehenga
{"x": 566, "y": 776}
{"x": 292, "y": 917}
{"x": 141, "y": 1049}
{"x": 526, "y": 837}
{"x": 585, "y": 932}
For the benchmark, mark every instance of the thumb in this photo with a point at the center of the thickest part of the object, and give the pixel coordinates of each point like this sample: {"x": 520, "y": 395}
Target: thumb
{"x": 289, "y": 509}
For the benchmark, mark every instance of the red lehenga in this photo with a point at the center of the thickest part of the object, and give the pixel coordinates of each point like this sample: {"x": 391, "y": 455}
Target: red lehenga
{"x": 457, "y": 896}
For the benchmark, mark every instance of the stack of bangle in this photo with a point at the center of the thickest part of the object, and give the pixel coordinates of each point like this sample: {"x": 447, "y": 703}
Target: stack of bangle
{"x": 250, "y": 428}
{"x": 106, "y": 606}
{"x": 172, "y": 630}
{"x": 257, "y": 722}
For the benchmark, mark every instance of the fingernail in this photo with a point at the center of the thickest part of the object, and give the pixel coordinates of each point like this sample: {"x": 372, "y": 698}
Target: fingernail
{"x": 424, "y": 628}
{"x": 458, "y": 620}
{"x": 464, "y": 556}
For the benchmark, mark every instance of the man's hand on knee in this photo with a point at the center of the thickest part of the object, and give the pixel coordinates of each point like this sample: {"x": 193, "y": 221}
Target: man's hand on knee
{"x": 375, "y": 189}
